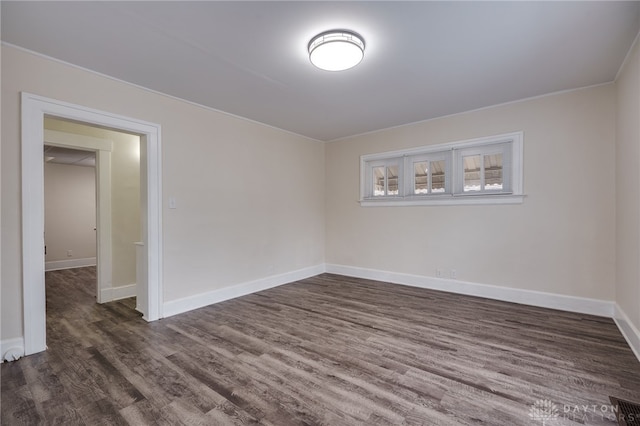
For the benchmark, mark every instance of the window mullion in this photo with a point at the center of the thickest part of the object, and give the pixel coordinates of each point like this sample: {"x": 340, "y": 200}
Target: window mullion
{"x": 456, "y": 185}
{"x": 409, "y": 176}
{"x": 429, "y": 177}
{"x": 386, "y": 179}
{"x": 482, "y": 176}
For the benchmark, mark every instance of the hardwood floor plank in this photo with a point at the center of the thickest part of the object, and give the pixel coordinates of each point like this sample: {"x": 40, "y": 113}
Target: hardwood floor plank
{"x": 120, "y": 390}
{"x": 12, "y": 377}
{"x": 61, "y": 410}
{"x": 328, "y": 350}
{"x": 101, "y": 412}
{"x": 187, "y": 414}
{"x": 23, "y": 410}
{"x": 146, "y": 412}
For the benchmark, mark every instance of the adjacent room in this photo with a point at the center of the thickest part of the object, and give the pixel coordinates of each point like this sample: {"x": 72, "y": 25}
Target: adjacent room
{"x": 313, "y": 213}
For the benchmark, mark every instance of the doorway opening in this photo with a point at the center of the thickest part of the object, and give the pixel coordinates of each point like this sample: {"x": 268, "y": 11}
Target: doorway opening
{"x": 149, "y": 282}
{"x": 70, "y": 208}
{"x": 70, "y": 227}
{"x": 117, "y": 218}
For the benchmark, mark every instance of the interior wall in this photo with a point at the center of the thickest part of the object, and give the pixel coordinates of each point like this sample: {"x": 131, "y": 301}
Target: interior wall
{"x": 249, "y": 197}
{"x": 125, "y": 195}
{"x": 70, "y": 212}
{"x": 628, "y": 188}
{"x": 559, "y": 240}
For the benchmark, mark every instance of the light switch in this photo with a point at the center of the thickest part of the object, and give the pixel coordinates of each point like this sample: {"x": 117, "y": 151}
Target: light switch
{"x": 172, "y": 203}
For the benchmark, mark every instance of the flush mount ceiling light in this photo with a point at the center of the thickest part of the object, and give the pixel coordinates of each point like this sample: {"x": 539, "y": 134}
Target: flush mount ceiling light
{"x": 336, "y": 50}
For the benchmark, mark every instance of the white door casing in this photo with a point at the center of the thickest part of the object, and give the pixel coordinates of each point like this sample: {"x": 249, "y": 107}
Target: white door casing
{"x": 34, "y": 109}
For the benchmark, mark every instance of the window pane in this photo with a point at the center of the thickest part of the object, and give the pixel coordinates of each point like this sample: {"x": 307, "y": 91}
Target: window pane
{"x": 437, "y": 176}
{"x": 493, "y": 172}
{"x": 378, "y": 181}
{"x": 392, "y": 180}
{"x": 472, "y": 171}
{"x": 421, "y": 177}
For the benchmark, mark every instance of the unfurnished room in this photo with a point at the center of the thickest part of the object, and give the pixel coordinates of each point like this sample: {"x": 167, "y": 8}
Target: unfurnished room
{"x": 320, "y": 213}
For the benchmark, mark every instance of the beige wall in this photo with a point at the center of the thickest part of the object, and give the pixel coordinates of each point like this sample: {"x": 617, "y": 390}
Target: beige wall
{"x": 70, "y": 211}
{"x": 125, "y": 195}
{"x": 560, "y": 240}
{"x": 250, "y": 198}
{"x": 628, "y": 188}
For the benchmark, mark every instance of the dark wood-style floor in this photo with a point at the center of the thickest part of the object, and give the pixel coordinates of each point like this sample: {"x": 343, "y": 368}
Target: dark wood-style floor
{"x": 326, "y": 350}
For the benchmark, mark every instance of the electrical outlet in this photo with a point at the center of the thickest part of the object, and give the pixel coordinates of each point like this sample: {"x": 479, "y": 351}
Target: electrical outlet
{"x": 439, "y": 273}
{"x": 453, "y": 274}
{"x": 69, "y": 253}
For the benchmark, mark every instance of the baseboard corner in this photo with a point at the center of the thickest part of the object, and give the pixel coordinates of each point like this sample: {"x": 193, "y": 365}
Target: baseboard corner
{"x": 185, "y": 304}
{"x": 111, "y": 294}
{"x": 628, "y": 330}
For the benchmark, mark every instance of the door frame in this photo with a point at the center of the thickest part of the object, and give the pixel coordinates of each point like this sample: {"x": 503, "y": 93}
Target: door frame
{"x": 34, "y": 108}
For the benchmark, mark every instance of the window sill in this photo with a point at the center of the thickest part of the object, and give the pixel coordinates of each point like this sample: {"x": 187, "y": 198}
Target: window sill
{"x": 446, "y": 200}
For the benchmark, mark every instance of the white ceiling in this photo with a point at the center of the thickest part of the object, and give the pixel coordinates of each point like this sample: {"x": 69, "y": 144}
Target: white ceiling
{"x": 75, "y": 157}
{"x": 422, "y": 60}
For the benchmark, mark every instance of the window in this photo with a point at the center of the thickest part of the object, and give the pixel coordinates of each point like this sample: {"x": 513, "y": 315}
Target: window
{"x": 479, "y": 171}
{"x": 383, "y": 178}
{"x": 431, "y": 174}
{"x": 484, "y": 169}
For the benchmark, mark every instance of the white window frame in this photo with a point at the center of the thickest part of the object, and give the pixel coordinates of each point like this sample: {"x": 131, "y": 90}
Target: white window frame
{"x": 409, "y": 161}
{"x": 503, "y": 148}
{"x": 385, "y": 163}
{"x": 509, "y": 144}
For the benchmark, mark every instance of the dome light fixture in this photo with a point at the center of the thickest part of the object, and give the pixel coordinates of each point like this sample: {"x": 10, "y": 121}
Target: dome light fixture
{"x": 336, "y": 50}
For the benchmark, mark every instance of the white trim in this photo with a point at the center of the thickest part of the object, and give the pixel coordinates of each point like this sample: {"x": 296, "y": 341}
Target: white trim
{"x": 627, "y": 56}
{"x": 12, "y": 349}
{"x": 511, "y": 144}
{"x": 470, "y": 111}
{"x": 71, "y": 140}
{"x": 445, "y": 200}
{"x": 117, "y": 293}
{"x": 582, "y": 305}
{"x": 104, "y": 245}
{"x": 33, "y": 227}
{"x": 34, "y": 108}
{"x": 341, "y": 138}
{"x": 628, "y": 330}
{"x": 516, "y": 137}
{"x": 56, "y": 265}
{"x": 146, "y": 89}
{"x": 186, "y": 304}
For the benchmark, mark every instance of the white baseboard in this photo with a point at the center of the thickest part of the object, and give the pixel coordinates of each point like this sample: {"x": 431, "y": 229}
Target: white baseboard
{"x": 12, "y": 349}
{"x": 69, "y": 264}
{"x": 185, "y": 304}
{"x": 117, "y": 293}
{"x": 628, "y": 330}
{"x": 581, "y": 305}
